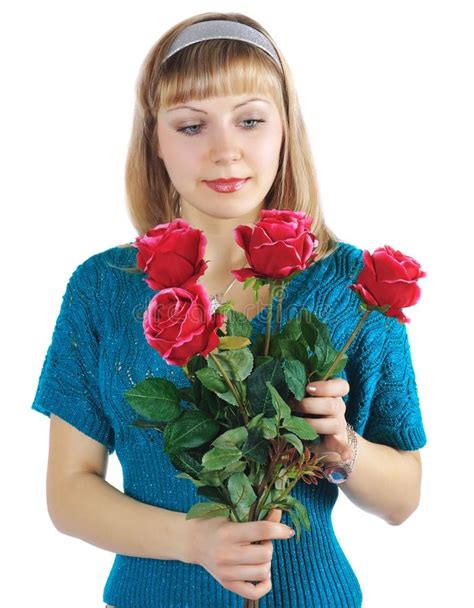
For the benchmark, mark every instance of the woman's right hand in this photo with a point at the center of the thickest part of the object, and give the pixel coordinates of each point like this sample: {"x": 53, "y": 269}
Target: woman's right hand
{"x": 224, "y": 548}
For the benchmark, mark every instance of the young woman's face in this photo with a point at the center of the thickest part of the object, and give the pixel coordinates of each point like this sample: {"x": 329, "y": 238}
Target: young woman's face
{"x": 219, "y": 138}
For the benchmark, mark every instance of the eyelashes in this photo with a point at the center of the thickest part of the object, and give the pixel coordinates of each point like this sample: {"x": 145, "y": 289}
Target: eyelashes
{"x": 186, "y": 130}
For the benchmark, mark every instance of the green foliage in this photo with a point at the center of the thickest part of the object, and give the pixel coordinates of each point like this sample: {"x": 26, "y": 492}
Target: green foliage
{"x": 317, "y": 336}
{"x": 258, "y": 393}
{"x": 222, "y": 444}
{"x": 155, "y": 399}
{"x": 212, "y": 380}
{"x": 219, "y": 458}
{"x": 299, "y": 427}
{"x": 190, "y": 430}
{"x": 233, "y": 342}
{"x": 237, "y": 364}
{"x": 237, "y": 324}
{"x": 255, "y": 447}
{"x": 241, "y": 494}
{"x": 208, "y": 510}
{"x": 295, "y": 376}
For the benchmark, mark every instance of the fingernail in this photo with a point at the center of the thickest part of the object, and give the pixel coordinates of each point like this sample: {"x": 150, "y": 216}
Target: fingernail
{"x": 312, "y": 389}
{"x": 291, "y": 533}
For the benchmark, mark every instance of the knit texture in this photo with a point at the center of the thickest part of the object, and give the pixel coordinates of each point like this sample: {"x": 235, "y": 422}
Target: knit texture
{"x": 98, "y": 351}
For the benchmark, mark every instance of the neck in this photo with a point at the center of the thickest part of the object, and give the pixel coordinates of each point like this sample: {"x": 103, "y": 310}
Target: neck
{"x": 222, "y": 252}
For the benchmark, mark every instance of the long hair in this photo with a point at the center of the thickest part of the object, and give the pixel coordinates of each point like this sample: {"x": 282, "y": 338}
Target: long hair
{"x": 207, "y": 69}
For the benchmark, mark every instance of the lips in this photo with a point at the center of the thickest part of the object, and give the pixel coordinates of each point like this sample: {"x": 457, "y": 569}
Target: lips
{"x": 227, "y": 185}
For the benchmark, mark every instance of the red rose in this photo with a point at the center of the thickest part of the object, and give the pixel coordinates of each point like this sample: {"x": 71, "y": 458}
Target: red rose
{"x": 179, "y": 324}
{"x": 279, "y": 244}
{"x": 389, "y": 278}
{"x": 171, "y": 254}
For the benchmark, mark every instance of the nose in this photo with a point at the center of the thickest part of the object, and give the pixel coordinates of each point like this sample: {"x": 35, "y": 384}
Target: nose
{"x": 224, "y": 146}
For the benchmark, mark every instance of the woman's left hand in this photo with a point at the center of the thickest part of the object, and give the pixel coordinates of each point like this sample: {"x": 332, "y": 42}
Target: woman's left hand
{"x": 329, "y": 421}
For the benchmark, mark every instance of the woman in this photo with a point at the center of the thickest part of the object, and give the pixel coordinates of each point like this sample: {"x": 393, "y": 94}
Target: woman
{"x": 215, "y": 102}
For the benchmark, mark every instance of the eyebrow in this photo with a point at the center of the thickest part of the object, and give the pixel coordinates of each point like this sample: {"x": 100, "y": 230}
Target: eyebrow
{"x": 203, "y": 112}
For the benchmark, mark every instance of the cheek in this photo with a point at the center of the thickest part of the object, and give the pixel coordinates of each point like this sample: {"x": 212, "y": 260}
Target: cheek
{"x": 269, "y": 152}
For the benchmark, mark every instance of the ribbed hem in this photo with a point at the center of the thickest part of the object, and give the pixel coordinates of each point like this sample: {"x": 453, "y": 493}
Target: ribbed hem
{"x": 312, "y": 574}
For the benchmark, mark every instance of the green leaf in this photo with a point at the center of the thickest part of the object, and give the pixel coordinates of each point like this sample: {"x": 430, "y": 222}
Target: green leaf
{"x": 190, "y": 430}
{"x": 231, "y": 438}
{"x": 212, "y": 380}
{"x": 295, "y": 376}
{"x": 234, "y": 467}
{"x": 295, "y": 441}
{"x": 292, "y": 330}
{"x": 269, "y": 427}
{"x": 195, "y": 363}
{"x": 236, "y": 363}
{"x": 155, "y": 399}
{"x": 255, "y": 447}
{"x": 261, "y": 359}
{"x": 300, "y": 509}
{"x": 208, "y": 510}
{"x": 258, "y": 393}
{"x": 233, "y": 342}
{"x": 149, "y": 424}
{"x": 218, "y": 458}
{"x": 211, "y": 478}
{"x": 282, "y": 409}
{"x": 254, "y": 422}
{"x": 311, "y": 328}
{"x": 241, "y": 494}
{"x": 237, "y": 324}
{"x": 293, "y": 350}
{"x": 299, "y": 427}
{"x": 229, "y": 397}
{"x": 215, "y": 494}
{"x": 196, "y": 482}
{"x": 183, "y": 461}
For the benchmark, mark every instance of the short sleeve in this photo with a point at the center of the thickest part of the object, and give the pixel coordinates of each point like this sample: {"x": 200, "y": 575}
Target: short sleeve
{"x": 394, "y": 413}
{"x": 69, "y": 381}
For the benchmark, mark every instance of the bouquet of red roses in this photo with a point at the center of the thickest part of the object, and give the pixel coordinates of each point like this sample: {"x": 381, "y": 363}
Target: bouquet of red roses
{"x": 232, "y": 432}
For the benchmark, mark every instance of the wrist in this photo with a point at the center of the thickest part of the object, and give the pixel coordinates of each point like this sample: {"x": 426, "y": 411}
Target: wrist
{"x": 339, "y": 472}
{"x": 187, "y": 540}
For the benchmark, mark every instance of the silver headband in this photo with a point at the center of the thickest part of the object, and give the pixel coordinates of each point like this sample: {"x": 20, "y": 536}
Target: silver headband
{"x": 232, "y": 30}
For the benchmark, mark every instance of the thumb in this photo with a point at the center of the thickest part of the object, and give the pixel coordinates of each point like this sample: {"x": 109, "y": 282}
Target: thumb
{"x": 274, "y": 515}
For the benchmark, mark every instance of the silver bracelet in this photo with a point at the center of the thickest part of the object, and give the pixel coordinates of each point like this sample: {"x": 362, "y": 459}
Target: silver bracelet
{"x": 338, "y": 473}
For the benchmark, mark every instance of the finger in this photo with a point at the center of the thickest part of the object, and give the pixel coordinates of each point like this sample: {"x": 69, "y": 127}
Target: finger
{"x": 274, "y": 515}
{"x": 336, "y": 387}
{"x": 255, "y": 572}
{"x": 326, "y": 426}
{"x": 249, "y": 590}
{"x": 253, "y": 553}
{"x": 255, "y": 531}
{"x": 326, "y": 406}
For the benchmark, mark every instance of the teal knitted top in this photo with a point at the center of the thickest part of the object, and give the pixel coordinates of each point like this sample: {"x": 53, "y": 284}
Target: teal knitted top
{"x": 98, "y": 351}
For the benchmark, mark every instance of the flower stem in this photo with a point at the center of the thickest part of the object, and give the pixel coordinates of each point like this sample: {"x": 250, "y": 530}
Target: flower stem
{"x": 347, "y": 344}
{"x": 280, "y": 292}
{"x": 269, "y": 321}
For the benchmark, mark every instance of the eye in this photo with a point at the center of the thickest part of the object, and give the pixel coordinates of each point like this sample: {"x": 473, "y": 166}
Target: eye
{"x": 188, "y": 130}
{"x": 255, "y": 120}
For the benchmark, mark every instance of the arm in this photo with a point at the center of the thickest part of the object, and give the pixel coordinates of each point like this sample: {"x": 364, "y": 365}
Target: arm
{"x": 385, "y": 481}
{"x": 82, "y": 504}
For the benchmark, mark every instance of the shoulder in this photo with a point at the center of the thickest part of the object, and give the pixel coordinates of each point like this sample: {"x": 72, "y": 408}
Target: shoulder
{"x": 334, "y": 272}
{"x": 345, "y": 260}
{"x": 105, "y": 265}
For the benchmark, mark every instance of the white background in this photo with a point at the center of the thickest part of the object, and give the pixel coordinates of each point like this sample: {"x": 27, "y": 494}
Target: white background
{"x": 385, "y": 89}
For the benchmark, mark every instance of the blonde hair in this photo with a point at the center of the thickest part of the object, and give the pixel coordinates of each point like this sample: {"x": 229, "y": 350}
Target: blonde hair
{"x": 207, "y": 69}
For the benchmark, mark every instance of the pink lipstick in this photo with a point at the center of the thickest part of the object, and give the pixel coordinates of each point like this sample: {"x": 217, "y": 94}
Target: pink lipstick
{"x": 227, "y": 185}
